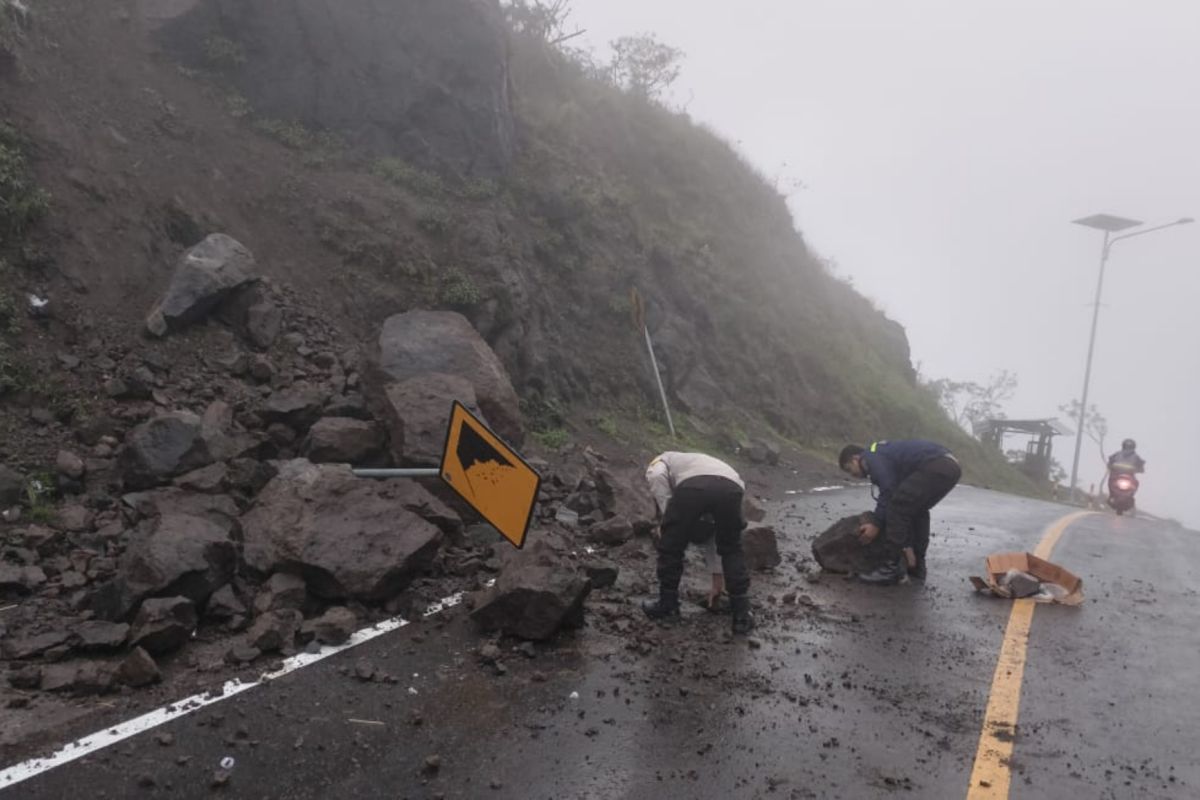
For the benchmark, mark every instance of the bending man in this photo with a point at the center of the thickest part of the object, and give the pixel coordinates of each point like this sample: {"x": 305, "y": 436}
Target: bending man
{"x": 686, "y": 486}
{"x": 912, "y": 477}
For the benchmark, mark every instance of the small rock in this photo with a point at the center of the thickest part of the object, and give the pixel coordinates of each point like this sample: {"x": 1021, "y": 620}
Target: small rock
{"x": 281, "y": 591}
{"x": 275, "y": 630}
{"x": 208, "y": 480}
{"x": 333, "y": 627}
{"x": 364, "y": 670}
{"x": 242, "y": 654}
{"x": 42, "y": 416}
{"x": 70, "y": 465}
{"x": 165, "y": 739}
{"x": 99, "y": 635}
{"x": 18, "y": 649}
{"x": 74, "y": 519}
{"x": 224, "y": 605}
{"x": 20, "y": 579}
{"x": 432, "y": 764}
{"x": 164, "y": 624}
{"x": 489, "y": 653}
{"x": 26, "y": 677}
{"x": 602, "y": 574}
{"x": 761, "y": 548}
{"x": 78, "y": 677}
{"x": 138, "y": 669}
{"x": 12, "y": 487}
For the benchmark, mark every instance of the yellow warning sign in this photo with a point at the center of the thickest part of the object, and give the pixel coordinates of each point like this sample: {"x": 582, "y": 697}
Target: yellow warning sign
{"x": 489, "y": 475}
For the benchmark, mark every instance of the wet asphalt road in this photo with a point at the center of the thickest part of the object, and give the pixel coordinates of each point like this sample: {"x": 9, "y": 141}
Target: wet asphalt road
{"x": 852, "y": 692}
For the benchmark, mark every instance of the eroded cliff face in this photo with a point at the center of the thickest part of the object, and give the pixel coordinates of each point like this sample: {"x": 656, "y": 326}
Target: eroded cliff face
{"x": 426, "y": 80}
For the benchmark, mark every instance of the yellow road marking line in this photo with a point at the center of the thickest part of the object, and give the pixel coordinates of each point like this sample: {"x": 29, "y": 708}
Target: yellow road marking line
{"x": 992, "y": 775}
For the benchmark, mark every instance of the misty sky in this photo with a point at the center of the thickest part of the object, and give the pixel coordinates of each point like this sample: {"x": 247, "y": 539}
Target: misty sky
{"x": 944, "y": 147}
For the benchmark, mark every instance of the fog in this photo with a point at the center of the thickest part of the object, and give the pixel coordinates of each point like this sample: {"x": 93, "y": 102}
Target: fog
{"x": 944, "y": 148}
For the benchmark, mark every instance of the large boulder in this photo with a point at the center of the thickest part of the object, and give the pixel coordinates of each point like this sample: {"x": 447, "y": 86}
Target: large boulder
{"x": 838, "y": 549}
{"x": 422, "y": 342}
{"x": 417, "y": 412}
{"x": 176, "y": 554}
{"x": 205, "y": 275}
{"x": 426, "y": 81}
{"x": 346, "y": 536}
{"x": 532, "y": 599}
{"x": 342, "y": 440}
{"x": 163, "y": 448}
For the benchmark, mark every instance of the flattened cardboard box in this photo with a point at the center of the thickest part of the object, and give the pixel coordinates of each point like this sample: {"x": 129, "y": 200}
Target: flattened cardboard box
{"x": 998, "y": 564}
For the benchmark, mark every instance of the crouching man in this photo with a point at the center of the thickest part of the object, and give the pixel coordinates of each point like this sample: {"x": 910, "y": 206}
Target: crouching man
{"x": 686, "y": 486}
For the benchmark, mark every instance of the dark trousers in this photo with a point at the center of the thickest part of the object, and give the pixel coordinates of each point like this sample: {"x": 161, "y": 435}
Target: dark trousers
{"x": 692, "y": 499}
{"x": 908, "y": 510}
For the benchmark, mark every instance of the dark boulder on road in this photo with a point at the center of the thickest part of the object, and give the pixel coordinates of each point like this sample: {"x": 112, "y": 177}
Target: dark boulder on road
{"x": 532, "y": 599}
{"x": 346, "y": 537}
{"x": 839, "y": 550}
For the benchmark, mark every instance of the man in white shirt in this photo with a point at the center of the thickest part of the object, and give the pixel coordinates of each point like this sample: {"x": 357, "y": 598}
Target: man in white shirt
{"x": 686, "y": 486}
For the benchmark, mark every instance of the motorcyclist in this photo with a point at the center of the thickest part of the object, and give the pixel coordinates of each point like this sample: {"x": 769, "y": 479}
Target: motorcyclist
{"x": 1126, "y": 461}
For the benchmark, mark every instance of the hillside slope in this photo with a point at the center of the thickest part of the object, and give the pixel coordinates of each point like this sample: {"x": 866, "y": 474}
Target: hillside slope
{"x": 385, "y": 157}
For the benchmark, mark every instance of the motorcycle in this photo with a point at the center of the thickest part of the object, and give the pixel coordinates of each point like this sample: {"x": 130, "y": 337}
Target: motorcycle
{"x": 1121, "y": 490}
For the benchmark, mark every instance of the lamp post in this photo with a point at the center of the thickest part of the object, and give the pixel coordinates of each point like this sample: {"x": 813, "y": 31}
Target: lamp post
{"x": 1110, "y": 225}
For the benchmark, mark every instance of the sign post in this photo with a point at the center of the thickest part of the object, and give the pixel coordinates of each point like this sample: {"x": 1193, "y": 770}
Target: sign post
{"x": 639, "y": 324}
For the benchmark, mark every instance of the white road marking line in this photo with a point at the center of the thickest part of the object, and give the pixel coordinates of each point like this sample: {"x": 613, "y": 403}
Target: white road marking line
{"x": 119, "y": 733}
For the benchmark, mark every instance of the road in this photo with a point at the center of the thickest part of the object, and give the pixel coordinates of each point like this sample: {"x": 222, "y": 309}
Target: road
{"x": 851, "y": 692}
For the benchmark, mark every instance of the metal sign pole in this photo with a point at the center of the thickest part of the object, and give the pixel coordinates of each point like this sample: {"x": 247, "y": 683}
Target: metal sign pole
{"x": 398, "y": 473}
{"x": 662, "y": 393}
{"x": 639, "y": 324}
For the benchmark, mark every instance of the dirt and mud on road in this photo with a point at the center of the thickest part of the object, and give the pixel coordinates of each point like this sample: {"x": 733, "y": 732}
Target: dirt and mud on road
{"x": 844, "y": 691}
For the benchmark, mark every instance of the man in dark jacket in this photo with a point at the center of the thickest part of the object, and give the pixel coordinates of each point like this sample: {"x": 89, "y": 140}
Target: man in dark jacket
{"x": 912, "y": 477}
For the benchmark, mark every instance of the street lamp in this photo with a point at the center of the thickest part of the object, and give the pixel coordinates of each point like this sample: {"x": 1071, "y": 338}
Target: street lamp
{"x": 1110, "y": 225}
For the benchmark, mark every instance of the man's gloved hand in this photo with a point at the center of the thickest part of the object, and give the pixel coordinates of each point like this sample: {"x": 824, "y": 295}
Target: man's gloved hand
{"x": 867, "y": 532}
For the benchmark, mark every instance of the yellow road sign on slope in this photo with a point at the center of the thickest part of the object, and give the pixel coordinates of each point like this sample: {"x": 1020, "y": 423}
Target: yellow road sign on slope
{"x": 489, "y": 475}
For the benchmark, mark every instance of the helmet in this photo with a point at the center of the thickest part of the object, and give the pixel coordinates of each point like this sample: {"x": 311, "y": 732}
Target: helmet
{"x": 1129, "y": 444}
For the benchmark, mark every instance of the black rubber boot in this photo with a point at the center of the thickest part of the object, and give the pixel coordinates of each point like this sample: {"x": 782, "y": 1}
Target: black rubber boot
{"x": 889, "y": 574}
{"x": 917, "y": 573}
{"x": 743, "y": 620}
{"x": 664, "y": 609}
